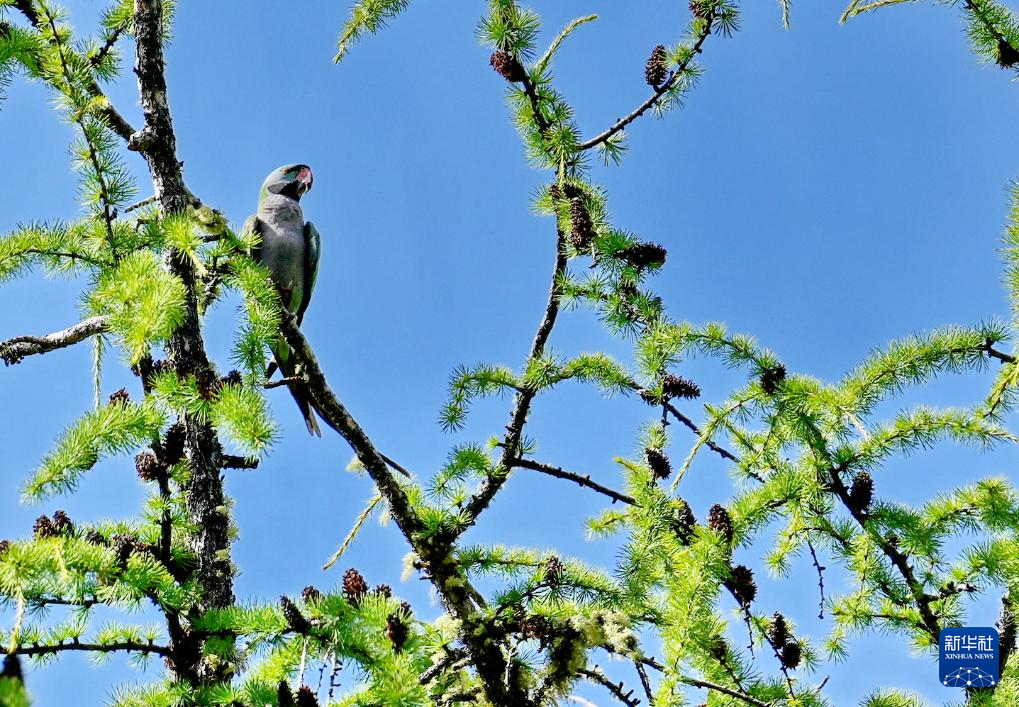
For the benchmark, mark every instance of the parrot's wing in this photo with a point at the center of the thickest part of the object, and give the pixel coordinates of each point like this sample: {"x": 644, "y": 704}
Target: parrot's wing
{"x": 312, "y": 250}
{"x": 253, "y": 224}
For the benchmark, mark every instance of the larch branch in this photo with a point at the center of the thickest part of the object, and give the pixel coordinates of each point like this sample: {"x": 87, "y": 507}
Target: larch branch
{"x": 123, "y": 646}
{"x": 14, "y": 350}
{"x": 576, "y": 478}
{"x": 659, "y": 92}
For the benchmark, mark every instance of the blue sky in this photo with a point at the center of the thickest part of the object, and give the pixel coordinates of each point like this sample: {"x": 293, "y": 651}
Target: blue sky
{"x": 826, "y": 188}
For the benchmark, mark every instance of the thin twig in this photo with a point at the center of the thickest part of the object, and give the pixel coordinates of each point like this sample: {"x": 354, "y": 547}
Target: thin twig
{"x": 129, "y": 646}
{"x": 582, "y": 480}
{"x": 280, "y": 382}
{"x": 721, "y": 451}
{"x": 820, "y": 576}
{"x": 107, "y": 47}
{"x": 708, "y": 685}
{"x": 645, "y": 682}
{"x": 617, "y": 689}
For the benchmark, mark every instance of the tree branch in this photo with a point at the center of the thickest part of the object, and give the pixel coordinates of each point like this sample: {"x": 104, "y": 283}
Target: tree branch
{"x": 722, "y": 689}
{"x": 721, "y": 451}
{"x": 673, "y": 79}
{"x": 523, "y": 398}
{"x": 899, "y": 559}
{"x": 1001, "y": 356}
{"x": 203, "y": 490}
{"x": 584, "y": 481}
{"x": 113, "y": 118}
{"x": 645, "y": 682}
{"x": 706, "y": 684}
{"x": 434, "y": 552}
{"x": 232, "y": 461}
{"x": 617, "y": 689}
{"x": 14, "y": 350}
{"x": 127, "y": 646}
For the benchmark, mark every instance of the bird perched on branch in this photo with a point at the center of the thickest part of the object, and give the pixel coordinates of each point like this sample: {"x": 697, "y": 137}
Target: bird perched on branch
{"x": 290, "y": 250}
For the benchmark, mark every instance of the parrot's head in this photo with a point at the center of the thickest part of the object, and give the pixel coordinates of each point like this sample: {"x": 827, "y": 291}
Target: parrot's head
{"x": 291, "y": 180}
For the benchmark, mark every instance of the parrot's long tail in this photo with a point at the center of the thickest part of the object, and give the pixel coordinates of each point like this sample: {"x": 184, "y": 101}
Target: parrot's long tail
{"x": 298, "y": 391}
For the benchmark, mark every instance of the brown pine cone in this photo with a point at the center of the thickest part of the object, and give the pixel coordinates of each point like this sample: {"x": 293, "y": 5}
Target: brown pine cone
{"x": 295, "y": 619}
{"x": 720, "y": 521}
{"x": 678, "y": 387}
{"x": 682, "y": 521}
{"x": 655, "y": 70}
{"x": 397, "y": 631}
{"x": 741, "y": 583}
{"x": 661, "y": 468}
{"x": 306, "y": 698}
{"x": 354, "y": 586}
{"x": 43, "y": 527}
{"x": 147, "y": 466}
{"x": 120, "y": 397}
{"x": 771, "y": 377}
{"x": 507, "y": 66}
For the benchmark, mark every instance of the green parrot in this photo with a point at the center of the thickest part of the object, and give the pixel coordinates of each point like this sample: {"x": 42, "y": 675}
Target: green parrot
{"x": 290, "y": 250}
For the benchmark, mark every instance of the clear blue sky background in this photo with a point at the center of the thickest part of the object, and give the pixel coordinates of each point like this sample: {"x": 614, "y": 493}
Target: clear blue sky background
{"x": 827, "y": 188}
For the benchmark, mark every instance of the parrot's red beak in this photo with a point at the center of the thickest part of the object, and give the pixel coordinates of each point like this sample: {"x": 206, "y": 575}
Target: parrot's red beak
{"x": 305, "y": 178}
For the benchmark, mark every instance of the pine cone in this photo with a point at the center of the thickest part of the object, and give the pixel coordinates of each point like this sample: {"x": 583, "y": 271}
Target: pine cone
{"x": 536, "y": 626}
{"x": 682, "y": 520}
{"x": 405, "y": 608}
{"x": 142, "y": 548}
{"x": 581, "y": 227}
{"x": 62, "y": 523}
{"x": 861, "y": 493}
{"x": 507, "y": 66}
{"x": 385, "y": 590}
{"x": 295, "y": 619}
{"x": 5, "y": 545}
{"x": 720, "y": 521}
{"x": 397, "y": 631}
{"x": 310, "y": 594}
{"x": 790, "y": 654}
{"x": 778, "y": 632}
{"x": 678, "y": 387}
{"x": 1007, "y": 55}
{"x": 741, "y": 583}
{"x": 553, "y": 570}
{"x": 43, "y": 527}
{"x": 125, "y": 546}
{"x": 771, "y": 377}
{"x": 120, "y": 397}
{"x": 655, "y": 69}
{"x": 12, "y": 668}
{"x": 284, "y": 697}
{"x": 642, "y": 255}
{"x": 147, "y": 466}
{"x": 354, "y": 586}
{"x": 208, "y": 384}
{"x": 173, "y": 444}
{"x": 96, "y": 538}
{"x": 659, "y": 463}
{"x": 232, "y": 378}
{"x": 306, "y": 698}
